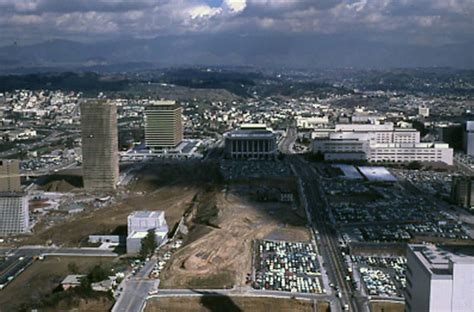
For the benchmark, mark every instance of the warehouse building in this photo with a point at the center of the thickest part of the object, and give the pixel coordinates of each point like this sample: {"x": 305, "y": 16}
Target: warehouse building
{"x": 251, "y": 141}
{"x": 138, "y": 225}
{"x": 99, "y": 145}
{"x": 439, "y": 279}
{"x": 163, "y": 125}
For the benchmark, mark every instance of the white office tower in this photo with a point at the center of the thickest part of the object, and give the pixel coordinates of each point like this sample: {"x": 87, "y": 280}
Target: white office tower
{"x": 139, "y": 223}
{"x": 468, "y": 138}
{"x": 439, "y": 280}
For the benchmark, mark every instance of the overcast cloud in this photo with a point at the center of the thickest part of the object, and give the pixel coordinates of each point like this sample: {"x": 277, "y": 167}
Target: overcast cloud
{"x": 433, "y": 22}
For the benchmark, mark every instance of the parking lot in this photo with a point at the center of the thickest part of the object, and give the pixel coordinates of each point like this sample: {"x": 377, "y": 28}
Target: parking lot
{"x": 389, "y": 212}
{"x": 287, "y": 266}
{"x": 234, "y": 170}
{"x": 381, "y": 276}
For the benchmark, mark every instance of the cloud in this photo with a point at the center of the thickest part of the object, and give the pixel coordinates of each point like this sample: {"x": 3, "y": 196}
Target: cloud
{"x": 437, "y": 21}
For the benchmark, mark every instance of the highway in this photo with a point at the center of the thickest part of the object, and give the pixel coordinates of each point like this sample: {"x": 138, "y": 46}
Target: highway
{"x": 328, "y": 240}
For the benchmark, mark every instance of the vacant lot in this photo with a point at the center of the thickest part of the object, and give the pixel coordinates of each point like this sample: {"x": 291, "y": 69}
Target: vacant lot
{"x": 381, "y": 306}
{"x": 168, "y": 187}
{"x": 224, "y": 222}
{"x": 41, "y": 278}
{"x": 232, "y": 304}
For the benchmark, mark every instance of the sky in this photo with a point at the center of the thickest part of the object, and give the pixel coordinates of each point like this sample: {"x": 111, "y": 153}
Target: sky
{"x": 216, "y": 24}
{"x": 424, "y": 22}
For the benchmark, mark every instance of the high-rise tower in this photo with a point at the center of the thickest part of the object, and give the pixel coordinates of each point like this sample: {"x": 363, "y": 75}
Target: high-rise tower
{"x": 163, "y": 125}
{"x": 99, "y": 145}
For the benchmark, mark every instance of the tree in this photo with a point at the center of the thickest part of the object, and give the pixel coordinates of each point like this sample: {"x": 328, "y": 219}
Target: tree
{"x": 414, "y": 165}
{"x": 72, "y": 267}
{"x": 148, "y": 244}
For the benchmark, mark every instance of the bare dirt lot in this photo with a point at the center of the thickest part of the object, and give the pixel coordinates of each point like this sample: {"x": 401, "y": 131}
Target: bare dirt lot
{"x": 232, "y": 304}
{"x": 39, "y": 280}
{"x": 380, "y": 306}
{"x": 168, "y": 187}
{"x": 218, "y": 249}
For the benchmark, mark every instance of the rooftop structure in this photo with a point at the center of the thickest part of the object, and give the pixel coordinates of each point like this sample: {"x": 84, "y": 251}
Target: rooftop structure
{"x": 163, "y": 124}
{"x": 439, "y": 279}
{"x": 99, "y": 145}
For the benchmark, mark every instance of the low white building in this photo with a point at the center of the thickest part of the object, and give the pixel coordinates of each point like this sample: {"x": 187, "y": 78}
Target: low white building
{"x": 378, "y": 143}
{"x": 439, "y": 280}
{"x": 139, "y": 223}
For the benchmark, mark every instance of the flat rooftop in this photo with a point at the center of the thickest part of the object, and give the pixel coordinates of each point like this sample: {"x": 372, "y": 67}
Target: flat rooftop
{"x": 437, "y": 258}
{"x": 249, "y": 133}
{"x": 377, "y": 174}
{"x": 146, "y": 214}
{"x": 350, "y": 172}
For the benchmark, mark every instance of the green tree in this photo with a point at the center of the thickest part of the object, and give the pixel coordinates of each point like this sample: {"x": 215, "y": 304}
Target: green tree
{"x": 148, "y": 244}
{"x": 72, "y": 267}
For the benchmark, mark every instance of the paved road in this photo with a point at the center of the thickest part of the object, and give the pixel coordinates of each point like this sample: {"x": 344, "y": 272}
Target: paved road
{"x": 19, "y": 258}
{"x": 244, "y": 292}
{"x": 286, "y": 145}
{"x": 136, "y": 289}
{"x": 328, "y": 241}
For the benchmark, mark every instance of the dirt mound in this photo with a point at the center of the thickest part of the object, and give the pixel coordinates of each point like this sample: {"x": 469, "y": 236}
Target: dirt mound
{"x": 58, "y": 186}
{"x": 195, "y": 263}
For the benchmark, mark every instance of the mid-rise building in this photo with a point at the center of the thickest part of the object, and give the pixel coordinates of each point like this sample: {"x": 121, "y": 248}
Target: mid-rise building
{"x": 14, "y": 215}
{"x": 100, "y": 162}
{"x": 10, "y": 176}
{"x": 462, "y": 191}
{"x": 251, "y": 141}
{"x": 139, "y": 223}
{"x": 439, "y": 279}
{"x": 378, "y": 143}
{"x": 468, "y": 138}
{"x": 163, "y": 125}
{"x": 423, "y": 111}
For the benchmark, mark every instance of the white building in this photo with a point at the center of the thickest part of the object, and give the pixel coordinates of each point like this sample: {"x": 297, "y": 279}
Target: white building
{"x": 468, "y": 138}
{"x": 312, "y": 122}
{"x": 139, "y": 223}
{"x": 378, "y": 143}
{"x": 439, "y": 280}
{"x": 423, "y": 111}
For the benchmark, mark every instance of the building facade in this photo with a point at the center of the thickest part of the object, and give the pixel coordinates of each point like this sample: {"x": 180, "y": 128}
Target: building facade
{"x": 100, "y": 161}
{"x": 139, "y": 223}
{"x": 10, "y": 176}
{"x": 14, "y": 215}
{"x": 468, "y": 138}
{"x": 163, "y": 125}
{"x": 251, "y": 142}
{"x": 439, "y": 280}
{"x": 462, "y": 191}
{"x": 378, "y": 143}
